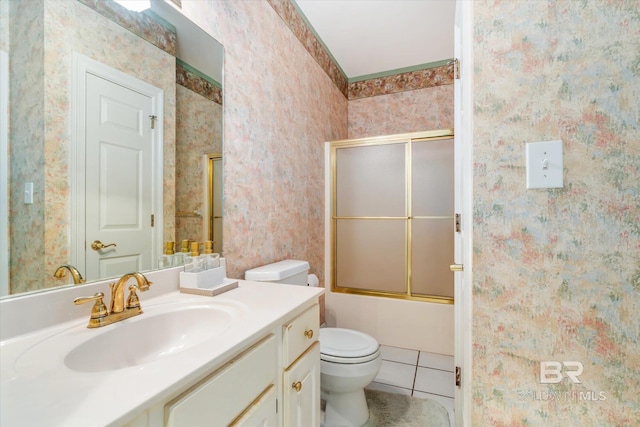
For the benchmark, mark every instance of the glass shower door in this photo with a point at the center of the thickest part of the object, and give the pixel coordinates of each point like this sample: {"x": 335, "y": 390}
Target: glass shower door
{"x": 432, "y": 217}
{"x": 392, "y": 216}
{"x": 371, "y": 217}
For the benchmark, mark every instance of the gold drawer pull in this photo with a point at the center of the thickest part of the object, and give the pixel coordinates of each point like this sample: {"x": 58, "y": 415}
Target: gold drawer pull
{"x": 308, "y": 333}
{"x": 297, "y": 386}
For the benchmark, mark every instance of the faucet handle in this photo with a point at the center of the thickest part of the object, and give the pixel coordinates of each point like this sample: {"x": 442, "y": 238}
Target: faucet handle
{"x": 99, "y": 310}
{"x": 133, "y": 301}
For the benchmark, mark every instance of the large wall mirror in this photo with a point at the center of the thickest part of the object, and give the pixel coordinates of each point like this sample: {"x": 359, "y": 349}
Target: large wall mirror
{"x": 109, "y": 118}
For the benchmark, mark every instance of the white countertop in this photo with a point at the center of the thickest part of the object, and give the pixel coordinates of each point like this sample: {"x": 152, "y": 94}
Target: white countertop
{"x": 41, "y": 390}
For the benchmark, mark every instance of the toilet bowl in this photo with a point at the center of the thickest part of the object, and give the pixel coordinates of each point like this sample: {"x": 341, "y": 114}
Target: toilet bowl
{"x": 349, "y": 360}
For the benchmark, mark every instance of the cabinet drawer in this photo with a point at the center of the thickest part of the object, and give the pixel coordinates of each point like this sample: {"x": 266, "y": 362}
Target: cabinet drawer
{"x": 222, "y": 396}
{"x": 299, "y": 334}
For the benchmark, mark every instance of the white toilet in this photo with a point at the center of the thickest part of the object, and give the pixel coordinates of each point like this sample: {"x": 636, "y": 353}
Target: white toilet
{"x": 349, "y": 360}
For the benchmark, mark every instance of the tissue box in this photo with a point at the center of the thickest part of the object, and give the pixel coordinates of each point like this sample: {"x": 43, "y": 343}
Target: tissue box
{"x": 206, "y": 279}
{"x": 210, "y": 282}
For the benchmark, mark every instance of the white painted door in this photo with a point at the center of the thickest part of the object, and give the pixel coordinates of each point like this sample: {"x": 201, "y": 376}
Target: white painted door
{"x": 463, "y": 101}
{"x": 4, "y": 174}
{"x": 118, "y": 192}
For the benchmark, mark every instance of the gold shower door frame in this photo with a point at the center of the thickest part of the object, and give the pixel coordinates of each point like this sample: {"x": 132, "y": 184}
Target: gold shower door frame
{"x": 211, "y": 202}
{"x": 407, "y": 140}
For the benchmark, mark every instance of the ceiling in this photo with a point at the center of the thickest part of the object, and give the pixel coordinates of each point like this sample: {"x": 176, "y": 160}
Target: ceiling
{"x": 365, "y": 37}
{"x": 376, "y": 36}
{"x": 190, "y": 39}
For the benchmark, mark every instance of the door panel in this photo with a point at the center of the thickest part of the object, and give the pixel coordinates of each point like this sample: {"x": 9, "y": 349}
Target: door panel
{"x": 111, "y": 266}
{"x": 432, "y": 252}
{"x": 432, "y": 188}
{"x": 4, "y": 176}
{"x": 118, "y": 179}
{"x": 302, "y": 406}
{"x": 120, "y": 202}
{"x": 262, "y": 413}
{"x": 463, "y": 119}
{"x": 371, "y": 254}
{"x": 372, "y": 181}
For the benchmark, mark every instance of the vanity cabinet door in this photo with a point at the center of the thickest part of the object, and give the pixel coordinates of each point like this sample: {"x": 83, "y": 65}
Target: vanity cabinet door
{"x": 301, "y": 389}
{"x": 224, "y": 395}
{"x": 262, "y": 413}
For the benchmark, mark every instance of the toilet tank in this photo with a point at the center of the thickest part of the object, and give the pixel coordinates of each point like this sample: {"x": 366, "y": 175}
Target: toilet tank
{"x": 290, "y": 271}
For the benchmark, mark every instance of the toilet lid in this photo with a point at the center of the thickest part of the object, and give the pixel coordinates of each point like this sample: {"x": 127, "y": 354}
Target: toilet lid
{"x": 346, "y": 343}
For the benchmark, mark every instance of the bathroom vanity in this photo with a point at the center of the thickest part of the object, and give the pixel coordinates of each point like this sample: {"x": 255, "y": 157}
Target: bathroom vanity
{"x": 247, "y": 357}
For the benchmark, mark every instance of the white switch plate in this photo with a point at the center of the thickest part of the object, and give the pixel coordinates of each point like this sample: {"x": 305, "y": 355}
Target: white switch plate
{"x": 28, "y": 193}
{"x": 544, "y": 165}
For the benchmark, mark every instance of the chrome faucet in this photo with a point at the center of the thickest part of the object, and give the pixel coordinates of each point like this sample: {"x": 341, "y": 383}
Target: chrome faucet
{"x": 100, "y": 316}
{"x": 61, "y": 273}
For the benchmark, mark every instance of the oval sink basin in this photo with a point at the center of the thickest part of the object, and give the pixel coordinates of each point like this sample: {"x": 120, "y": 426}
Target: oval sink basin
{"x": 162, "y": 330}
{"x": 149, "y": 337}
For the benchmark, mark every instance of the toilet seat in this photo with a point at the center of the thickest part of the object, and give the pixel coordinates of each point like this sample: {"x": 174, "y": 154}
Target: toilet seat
{"x": 341, "y": 345}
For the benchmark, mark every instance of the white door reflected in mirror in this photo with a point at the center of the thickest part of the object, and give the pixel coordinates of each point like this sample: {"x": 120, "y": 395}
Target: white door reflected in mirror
{"x": 116, "y": 157}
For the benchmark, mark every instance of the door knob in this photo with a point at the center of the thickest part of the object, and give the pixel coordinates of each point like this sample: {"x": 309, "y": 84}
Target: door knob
{"x": 308, "y": 333}
{"x": 297, "y": 386}
{"x": 96, "y": 245}
{"x": 456, "y": 267}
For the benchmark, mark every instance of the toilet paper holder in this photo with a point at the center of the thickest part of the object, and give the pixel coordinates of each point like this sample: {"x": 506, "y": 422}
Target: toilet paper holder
{"x": 313, "y": 281}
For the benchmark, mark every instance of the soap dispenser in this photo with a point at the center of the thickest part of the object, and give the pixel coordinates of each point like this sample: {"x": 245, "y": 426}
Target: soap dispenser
{"x": 195, "y": 262}
{"x": 184, "y": 252}
{"x": 168, "y": 259}
{"x": 212, "y": 259}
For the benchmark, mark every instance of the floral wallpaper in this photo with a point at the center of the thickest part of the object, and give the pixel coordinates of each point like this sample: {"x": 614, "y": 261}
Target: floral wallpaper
{"x": 280, "y": 107}
{"x": 140, "y": 24}
{"x": 402, "y": 112}
{"x": 198, "y": 133}
{"x": 26, "y": 160}
{"x": 409, "y": 81}
{"x": 556, "y": 273}
{"x": 198, "y": 84}
{"x": 4, "y": 25}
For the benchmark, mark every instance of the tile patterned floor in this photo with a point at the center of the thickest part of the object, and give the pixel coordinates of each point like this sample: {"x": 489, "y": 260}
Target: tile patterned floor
{"x": 419, "y": 374}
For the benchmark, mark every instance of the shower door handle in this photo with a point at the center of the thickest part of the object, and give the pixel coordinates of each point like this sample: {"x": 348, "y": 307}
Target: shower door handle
{"x": 456, "y": 267}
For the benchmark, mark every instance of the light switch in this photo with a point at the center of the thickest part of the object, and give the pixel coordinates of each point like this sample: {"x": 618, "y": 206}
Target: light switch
{"x": 28, "y": 193}
{"x": 544, "y": 165}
